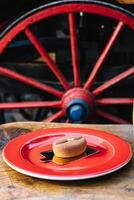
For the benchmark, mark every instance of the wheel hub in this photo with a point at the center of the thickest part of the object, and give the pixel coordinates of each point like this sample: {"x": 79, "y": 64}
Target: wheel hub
{"x": 78, "y": 105}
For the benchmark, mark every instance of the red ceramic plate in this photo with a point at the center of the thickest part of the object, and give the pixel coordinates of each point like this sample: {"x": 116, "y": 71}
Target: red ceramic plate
{"x": 24, "y": 154}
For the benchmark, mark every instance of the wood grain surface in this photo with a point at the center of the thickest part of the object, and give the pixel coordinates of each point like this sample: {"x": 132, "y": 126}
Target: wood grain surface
{"x": 116, "y": 186}
{"x": 126, "y": 1}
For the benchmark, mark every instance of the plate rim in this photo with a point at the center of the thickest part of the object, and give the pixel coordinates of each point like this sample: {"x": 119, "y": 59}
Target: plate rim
{"x": 59, "y": 178}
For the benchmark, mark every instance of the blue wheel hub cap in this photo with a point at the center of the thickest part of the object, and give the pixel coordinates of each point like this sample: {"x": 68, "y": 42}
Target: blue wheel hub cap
{"x": 77, "y": 110}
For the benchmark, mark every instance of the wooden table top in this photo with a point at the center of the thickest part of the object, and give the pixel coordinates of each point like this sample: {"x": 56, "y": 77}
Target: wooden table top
{"x": 118, "y": 185}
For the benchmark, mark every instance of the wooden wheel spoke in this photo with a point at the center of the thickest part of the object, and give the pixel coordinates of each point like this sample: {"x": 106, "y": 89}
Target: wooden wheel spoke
{"x": 111, "y": 117}
{"x": 68, "y": 121}
{"x": 29, "y": 81}
{"x": 41, "y": 50}
{"x": 31, "y": 104}
{"x": 113, "y": 81}
{"x": 103, "y": 55}
{"x": 55, "y": 116}
{"x": 112, "y": 101}
{"x": 74, "y": 49}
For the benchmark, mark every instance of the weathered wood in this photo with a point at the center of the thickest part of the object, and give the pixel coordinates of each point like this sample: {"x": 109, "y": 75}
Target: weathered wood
{"x": 117, "y": 186}
{"x": 126, "y": 1}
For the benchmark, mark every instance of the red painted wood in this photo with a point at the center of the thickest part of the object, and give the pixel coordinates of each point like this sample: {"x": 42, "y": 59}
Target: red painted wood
{"x": 113, "y": 81}
{"x": 81, "y": 94}
{"x": 74, "y": 49}
{"x": 30, "y": 81}
{"x": 31, "y": 104}
{"x": 103, "y": 55}
{"x": 62, "y": 9}
{"x": 68, "y": 121}
{"x": 41, "y": 50}
{"x": 55, "y": 116}
{"x": 111, "y": 117}
{"x": 111, "y": 101}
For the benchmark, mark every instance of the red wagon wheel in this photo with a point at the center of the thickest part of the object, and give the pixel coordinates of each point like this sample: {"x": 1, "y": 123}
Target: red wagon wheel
{"x": 77, "y": 102}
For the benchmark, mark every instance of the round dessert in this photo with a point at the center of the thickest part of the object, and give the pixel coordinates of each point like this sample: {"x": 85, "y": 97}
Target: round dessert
{"x": 69, "y": 146}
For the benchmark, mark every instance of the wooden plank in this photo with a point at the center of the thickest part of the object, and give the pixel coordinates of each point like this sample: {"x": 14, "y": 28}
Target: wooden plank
{"x": 34, "y": 126}
{"x": 126, "y": 1}
{"x": 117, "y": 186}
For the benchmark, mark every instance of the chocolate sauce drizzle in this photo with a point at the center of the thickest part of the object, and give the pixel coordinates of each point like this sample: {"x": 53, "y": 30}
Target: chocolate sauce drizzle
{"x": 48, "y": 155}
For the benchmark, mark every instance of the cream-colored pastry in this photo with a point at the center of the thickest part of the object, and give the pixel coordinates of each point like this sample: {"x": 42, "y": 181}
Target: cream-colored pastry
{"x": 69, "y": 146}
